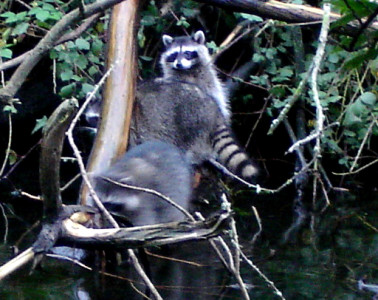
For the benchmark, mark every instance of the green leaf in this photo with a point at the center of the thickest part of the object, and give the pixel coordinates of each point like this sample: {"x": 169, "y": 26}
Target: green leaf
{"x": 82, "y": 62}
{"x": 42, "y": 15}
{"x": 145, "y": 58}
{"x": 258, "y": 58}
{"x": 82, "y": 44}
{"x": 10, "y": 17}
{"x": 87, "y": 88}
{"x": 76, "y": 78}
{"x": 12, "y": 158}
{"x": 333, "y": 58}
{"x": 212, "y": 46}
{"x": 56, "y": 15}
{"x": 360, "y": 58}
{"x": 342, "y": 21}
{"x": 360, "y": 109}
{"x": 67, "y": 90}
{"x": 6, "y": 53}
{"x": 66, "y": 75}
{"x": 183, "y": 22}
{"x": 189, "y": 12}
{"x": 148, "y": 21}
{"x": 97, "y": 47}
{"x": 8, "y": 14}
{"x": 48, "y": 7}
{"x": 71, "y": 45}
{"x": 92, "y": 71}
{"x": 10, "y": 108}
{"x": 20, "y": 29}
{"x": 278, "y": 91}
{"x": 286, "y": 72}
{"x": 333, "y": 99}
{"x": 94, "y": 59}
{"x": 251, "y": 18}
{"x": 54, "y": 54}
{"x": 39, "y": 124}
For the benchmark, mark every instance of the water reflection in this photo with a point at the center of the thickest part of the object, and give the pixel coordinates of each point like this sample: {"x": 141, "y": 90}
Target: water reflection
{"x": 323, "y": 263}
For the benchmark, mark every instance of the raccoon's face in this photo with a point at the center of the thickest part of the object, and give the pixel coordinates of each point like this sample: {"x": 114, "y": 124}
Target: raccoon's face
{"x": 184, "y": 53}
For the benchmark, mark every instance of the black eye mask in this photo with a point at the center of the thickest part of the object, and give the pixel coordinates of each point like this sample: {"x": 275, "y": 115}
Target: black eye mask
{"x": 190, "y": 54}
{"x": 172, "y": 57}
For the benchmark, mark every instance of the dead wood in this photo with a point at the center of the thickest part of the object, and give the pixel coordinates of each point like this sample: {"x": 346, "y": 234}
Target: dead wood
{"x": 142, "y": 236}
{"x": 49, "y": 163}
{"x": 119, "y": 91}
{"x": 287, "y": 12}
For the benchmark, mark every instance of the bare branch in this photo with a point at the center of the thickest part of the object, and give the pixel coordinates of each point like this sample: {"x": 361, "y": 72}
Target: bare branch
{"x": 288, "y": 12}
{"x": 314, "y": 76}
{"x": 77, "y": 152}
{"x": 153, "y": 192}
{"x": 49, "y": 163}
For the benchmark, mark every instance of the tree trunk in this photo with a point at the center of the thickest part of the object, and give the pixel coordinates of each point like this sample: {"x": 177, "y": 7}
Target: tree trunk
{"x": 113, "y": 131}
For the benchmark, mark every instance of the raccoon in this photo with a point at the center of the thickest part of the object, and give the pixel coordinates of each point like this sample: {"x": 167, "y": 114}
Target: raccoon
{"x": 187, "y": 59}
{"x": 183, "y": 107}
{"x": 152, "y": 165}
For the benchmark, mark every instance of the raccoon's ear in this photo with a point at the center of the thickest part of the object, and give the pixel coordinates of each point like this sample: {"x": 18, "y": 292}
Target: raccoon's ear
{"x": 199, "y": 37}
{"x": 167, "y": 40}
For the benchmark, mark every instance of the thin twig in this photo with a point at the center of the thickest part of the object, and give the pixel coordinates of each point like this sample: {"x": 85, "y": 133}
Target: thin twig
{"x": 214, "y": 242}
{"x": 257, "y": 187}
{"x": 231, "y": 40}
{"x": 80, "y": 162}
{"x": 270, "y": 283}
{"x": 235, "y": 239}
{"x": 289, "y": 104}
{"x": 228, "y": 173}
{"x": 144, "y": 276}
{"x": 6, "y": 224}
{"x": 24, "y": 4}
{"x": 30, "y": 196}
{"x": 151, "y": 191}
{"x": 7, "y": 152}
{"x": 308, "y": 138}
{"x": 358, "y": 170}
{"x": 63, "y": 188}
{"x": 294, "y": 140}
{"x": 21, "y": 159}
{"x": 258, "y": 219}
{"x": 368, "y": 132}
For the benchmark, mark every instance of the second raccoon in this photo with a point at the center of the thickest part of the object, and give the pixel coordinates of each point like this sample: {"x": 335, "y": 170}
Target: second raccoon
{"x": 152, "y": 165}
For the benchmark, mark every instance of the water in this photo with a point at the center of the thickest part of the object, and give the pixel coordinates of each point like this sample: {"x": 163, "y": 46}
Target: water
{"x": 325, "y": 260}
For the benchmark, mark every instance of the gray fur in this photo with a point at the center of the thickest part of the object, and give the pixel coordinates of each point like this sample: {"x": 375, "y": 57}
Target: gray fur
{"x": 178, "y": 108}
{"x": 154, "y": 165}
{"x": 200, "y": 71}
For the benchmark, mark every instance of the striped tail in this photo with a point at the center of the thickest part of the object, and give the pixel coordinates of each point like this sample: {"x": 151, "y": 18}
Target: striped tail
{"x": 232, "y": 156}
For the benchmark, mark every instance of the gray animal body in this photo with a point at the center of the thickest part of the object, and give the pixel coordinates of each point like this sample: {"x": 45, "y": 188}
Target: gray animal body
{"x": 152, "y": 165}
{"x": 188, "y": 108}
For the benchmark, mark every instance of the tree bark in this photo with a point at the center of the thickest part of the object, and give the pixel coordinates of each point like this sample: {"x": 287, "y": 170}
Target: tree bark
{"x": 49, "y": 164}
{"x": 288, "y": 12}
{"x": 113, "y": 131}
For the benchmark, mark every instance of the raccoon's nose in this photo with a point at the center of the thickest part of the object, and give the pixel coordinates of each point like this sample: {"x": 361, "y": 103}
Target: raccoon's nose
{"x": 179, "y": 65}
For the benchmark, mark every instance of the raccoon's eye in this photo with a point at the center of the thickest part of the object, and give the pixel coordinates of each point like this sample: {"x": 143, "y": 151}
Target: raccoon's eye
{"x": 172, "y": 57}
{"x": 190, "y": 54}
